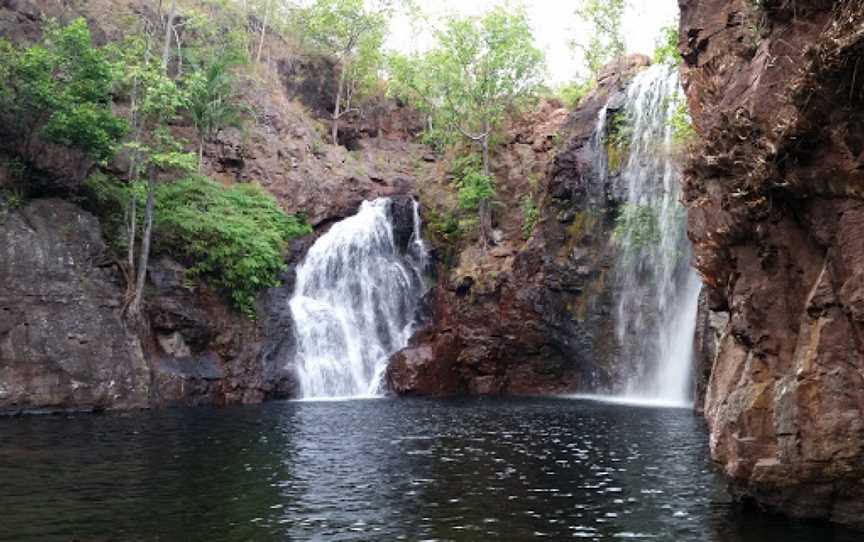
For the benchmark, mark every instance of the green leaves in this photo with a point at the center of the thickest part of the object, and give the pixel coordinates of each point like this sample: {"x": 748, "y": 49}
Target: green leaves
{"x": 62, "y": 87}
{"x": 212, "y": 99}
{"x": 637, "y": 225}
{"x": 481, "y": 68}
{"x": 605, "y": 40}
{"x": 473, "y": 189}
{"x": 666, "y": 49}
{"x": 235, "y": 236}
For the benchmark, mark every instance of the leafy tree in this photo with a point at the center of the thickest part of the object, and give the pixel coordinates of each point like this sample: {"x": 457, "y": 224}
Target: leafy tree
{"x": 572, "y": 93}
{"x": 60, "y": 89}
{"x": 212, "y": 101}
{"x": 605, "y": 40}
{"x": 666, "y": 48}
{"x": 481, "y": 69}
{"x": 155, "y": 100}
{"x": 353, "y": 31}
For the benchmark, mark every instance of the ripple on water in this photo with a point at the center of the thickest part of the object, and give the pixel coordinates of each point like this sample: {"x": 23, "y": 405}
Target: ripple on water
{"x": 372, "y": 470}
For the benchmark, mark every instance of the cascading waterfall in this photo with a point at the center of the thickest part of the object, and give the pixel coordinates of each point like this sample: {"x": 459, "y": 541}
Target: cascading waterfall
{"x": 356, "y": 302}
{"x": 656, "y": 310}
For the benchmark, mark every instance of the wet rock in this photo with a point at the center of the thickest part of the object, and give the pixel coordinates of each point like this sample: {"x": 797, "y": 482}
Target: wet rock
{"x": 526, "y": 317}
{"x": 63, "y": 342}
{"x": 777, "y": 223}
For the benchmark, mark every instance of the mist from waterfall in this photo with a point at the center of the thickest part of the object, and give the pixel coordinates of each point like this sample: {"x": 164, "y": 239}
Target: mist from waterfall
{"x": 355, "y": 302}
{"x": 659, "y": 290}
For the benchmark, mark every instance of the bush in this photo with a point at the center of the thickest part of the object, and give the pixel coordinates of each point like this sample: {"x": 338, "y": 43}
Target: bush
{"x": 235, "y": 236}
{"x": 666, "y": 48}
{"x": 680, "y": 122}
{"x": 530, "y": 216}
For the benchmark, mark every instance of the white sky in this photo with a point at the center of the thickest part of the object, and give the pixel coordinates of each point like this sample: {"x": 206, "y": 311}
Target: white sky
{"x": 555, "y": 25}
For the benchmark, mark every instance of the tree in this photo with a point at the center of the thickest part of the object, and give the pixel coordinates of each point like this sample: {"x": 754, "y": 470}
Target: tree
{"x": 605, "y": 41}
{"x": 212, "y": 101}
{"x": 353, "y": 31}
{"x": 481, "y": 69}
{"x": 155, "y": 99}
{"x": 60, "y": 89}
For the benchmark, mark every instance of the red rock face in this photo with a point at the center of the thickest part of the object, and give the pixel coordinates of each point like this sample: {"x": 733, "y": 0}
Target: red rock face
{"x": 530, "y": 317}
{"x": 774, "y": 192}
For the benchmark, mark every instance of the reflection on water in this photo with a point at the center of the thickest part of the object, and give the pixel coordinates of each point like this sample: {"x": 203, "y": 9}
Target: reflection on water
{"x": 373, "y": 470}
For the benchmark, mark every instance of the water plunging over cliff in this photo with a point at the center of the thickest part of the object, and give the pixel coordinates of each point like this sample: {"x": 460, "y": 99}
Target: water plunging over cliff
{"x": 656, "y": 310}
{"x": 356, "y": 302}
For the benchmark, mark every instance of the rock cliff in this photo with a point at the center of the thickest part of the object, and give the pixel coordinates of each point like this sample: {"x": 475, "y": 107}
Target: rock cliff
{"x": 63, "y": 342}
{"x": 774, "y": 193}
{"x": 534, "y": 316}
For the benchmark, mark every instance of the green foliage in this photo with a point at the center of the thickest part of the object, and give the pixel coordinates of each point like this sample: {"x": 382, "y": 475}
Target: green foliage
{"x": 62, "y": 88}
{"x": 572, "y": 93}
{"x": 530, "y": 215}
{"x": 618, "y": 135}
{"x": 680, "y": 122}
{"x": 480, "y": 69}
{"x": 474, "y": 188}
{"x": 605, "y": 40}
{"x": 666, "y": 47}
{"x": 443, "y": 225}
{"x": 212, "y": 100}
{"x": 235, "y": 235}
{"x": 472, "y": 185}
{"x": 354, "y": 32}
{"x": 637, "y": 225}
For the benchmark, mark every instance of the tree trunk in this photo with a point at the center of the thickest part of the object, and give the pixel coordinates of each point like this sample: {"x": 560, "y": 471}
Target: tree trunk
{"x": 131, "y": 232}
{"x": 263, "y": 32}
{"x": 336, "y": 112}
{"x": 166, "y": 46}
{"x": 144, "y": 256}
{"x": 485, "y": 209}
{"x": 200, "y": 153}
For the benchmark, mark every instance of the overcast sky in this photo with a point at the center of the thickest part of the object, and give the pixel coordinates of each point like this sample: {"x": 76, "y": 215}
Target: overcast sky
{"x": 555, "y": 25}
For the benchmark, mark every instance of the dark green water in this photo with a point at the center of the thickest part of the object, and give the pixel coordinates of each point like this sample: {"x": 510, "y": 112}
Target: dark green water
{"x": 373, "y": 470}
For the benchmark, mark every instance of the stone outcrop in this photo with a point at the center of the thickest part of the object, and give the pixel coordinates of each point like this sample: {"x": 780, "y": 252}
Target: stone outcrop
{"x": 776, "y": 215}
{"x": 62, "y": 338}
{"x": 64, "y": 344}
{"x": 530, "y": 317}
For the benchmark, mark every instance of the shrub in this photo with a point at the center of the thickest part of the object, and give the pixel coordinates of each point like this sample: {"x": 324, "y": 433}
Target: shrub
{"x": 680, "y": 122}
{"x": 530, "y": 215}
{"x": 235, "y": 236}
{"x": 666, "y": 48}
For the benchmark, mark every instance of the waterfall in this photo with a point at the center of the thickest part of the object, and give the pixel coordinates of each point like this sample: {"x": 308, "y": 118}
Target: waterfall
{"x": 356, "y": 302}
{"x": 659, "y": 290}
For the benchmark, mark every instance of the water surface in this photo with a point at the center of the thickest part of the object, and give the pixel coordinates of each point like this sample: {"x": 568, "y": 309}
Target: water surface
{"x": 373, "y": 470}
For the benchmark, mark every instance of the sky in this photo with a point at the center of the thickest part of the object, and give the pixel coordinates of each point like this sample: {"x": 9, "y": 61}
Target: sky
{"x": 555, "y": 25}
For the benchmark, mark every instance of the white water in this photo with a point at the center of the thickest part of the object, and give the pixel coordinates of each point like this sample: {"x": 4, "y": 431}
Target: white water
{"x": 656, "y": 311}
{"x": 355, "y": 303}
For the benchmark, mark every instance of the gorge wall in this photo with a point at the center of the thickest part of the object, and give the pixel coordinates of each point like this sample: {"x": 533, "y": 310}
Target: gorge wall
{"x": 531, "y": 316}
{"x": 774, "y": 193}
{"x": 64, "y": 344}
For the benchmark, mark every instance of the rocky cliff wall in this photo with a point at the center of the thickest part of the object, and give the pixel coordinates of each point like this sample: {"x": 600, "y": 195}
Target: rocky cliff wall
{"x": 774, "y": 192}
{"x": 530, "y": 317}
{"x": 64, "y": 344}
